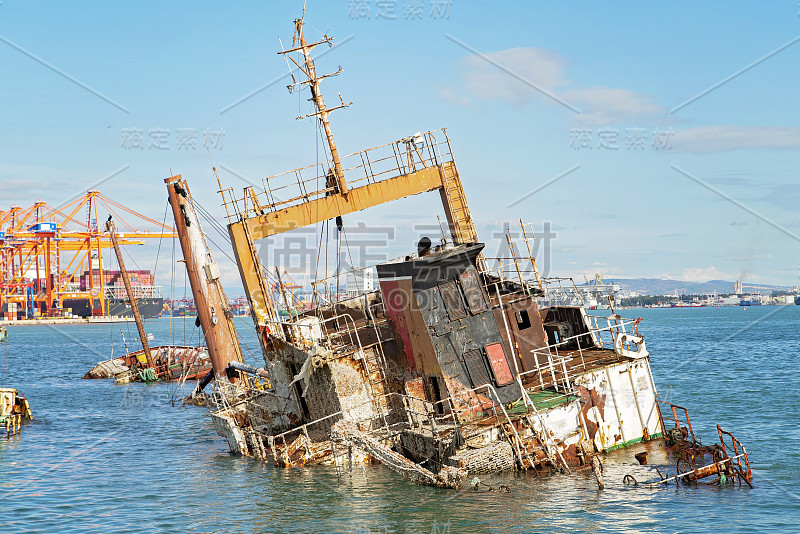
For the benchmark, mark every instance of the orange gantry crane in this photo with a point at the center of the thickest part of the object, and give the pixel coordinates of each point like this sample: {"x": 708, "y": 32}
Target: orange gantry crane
{"x": 44, "y": 251}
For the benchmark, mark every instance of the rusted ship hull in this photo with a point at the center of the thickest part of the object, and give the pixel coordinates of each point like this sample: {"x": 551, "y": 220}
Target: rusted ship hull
{"x": 14, "y": 410}
{"x": 172, "y": 362}
{"x": 587, "y": 401}
{"x": 451, "y": 365}
{"x": 394, "y": 384}
{"x": 450, "y": 369}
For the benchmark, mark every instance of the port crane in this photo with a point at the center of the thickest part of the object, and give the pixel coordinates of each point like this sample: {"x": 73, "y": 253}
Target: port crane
{"x": 44, "y": 251}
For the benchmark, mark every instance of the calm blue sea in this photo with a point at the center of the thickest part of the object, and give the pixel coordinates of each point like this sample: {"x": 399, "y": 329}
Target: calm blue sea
{"x": 107, "y": 458}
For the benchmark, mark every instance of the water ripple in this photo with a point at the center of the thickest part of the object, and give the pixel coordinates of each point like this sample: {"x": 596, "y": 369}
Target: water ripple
{"x": 102, "y": 457}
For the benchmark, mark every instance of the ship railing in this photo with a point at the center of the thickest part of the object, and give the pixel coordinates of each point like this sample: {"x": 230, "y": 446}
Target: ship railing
{"x": 735, "y": 445}
{"x": 622, "y": 340}
{"x": 342, "y": 334}
{"x": 516, "y": 267}
{"x": 375, "y": 320}
{"x": 383, "y": 430}
{"x": 221, "y": 398}
{"x": 228, "y": 397}
{"x": 327, "y": 296}
{"x": 509, "y": 269}
{"x": 345, "y": 334}
{"x": 675, "y": 410}
{"x": 342, "y": 331}
{"x": 556, "y": 366}
{"x": 300, "y": 430}
{"x": 553, "y": 374}
{"x": 557, "y": 374}
{"x": 442, "y": 417}
{"x": 467, "y": 407}
{"x": 497, "y": 403}
{"x": 373, "y": 165}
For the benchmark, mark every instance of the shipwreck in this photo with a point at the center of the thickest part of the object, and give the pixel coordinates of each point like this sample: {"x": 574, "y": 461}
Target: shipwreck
{"x": 14, "y": 407}
{"x": 451, "y": 368}
{"x": 148, "y": 364}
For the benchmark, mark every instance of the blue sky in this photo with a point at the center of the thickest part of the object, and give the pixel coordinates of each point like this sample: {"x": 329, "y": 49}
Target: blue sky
{"x": 710, "y": 191}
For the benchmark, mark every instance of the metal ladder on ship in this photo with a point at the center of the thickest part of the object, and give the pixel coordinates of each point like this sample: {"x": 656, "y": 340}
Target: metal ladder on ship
{"x": 456, "y": 203}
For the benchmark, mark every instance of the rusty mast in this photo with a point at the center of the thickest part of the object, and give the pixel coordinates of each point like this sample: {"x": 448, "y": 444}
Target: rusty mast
{"x": 112, "y": 230}
{"x": 413, "y": 174}
{"x": 213, "y": 310}
{"x": 299, "y": 44}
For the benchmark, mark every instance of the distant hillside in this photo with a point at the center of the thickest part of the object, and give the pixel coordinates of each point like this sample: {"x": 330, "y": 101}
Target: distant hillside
{"x": 655, "y": 286}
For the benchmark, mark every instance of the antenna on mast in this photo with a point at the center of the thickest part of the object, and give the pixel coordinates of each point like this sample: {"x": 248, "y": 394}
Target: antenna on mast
{"x": 299, "y": 44}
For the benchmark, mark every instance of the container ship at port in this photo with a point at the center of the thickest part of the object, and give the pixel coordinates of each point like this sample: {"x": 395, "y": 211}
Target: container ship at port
{"x": 150, "y": 297}
{"x": 82, "y": 299}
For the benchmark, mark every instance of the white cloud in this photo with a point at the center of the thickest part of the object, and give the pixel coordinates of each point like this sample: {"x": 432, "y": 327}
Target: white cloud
{"x": 539, "y": 68}
{"x": 704, "y": 274}
{"x": 457, "y": 97}
{"x": 721, "y": 138}
{"x": 601, "y": 105}
{"x": 518, "y": 75}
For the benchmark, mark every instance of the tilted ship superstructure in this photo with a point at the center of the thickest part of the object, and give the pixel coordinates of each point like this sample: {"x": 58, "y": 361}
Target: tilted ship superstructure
{"x": 451, "y": 368}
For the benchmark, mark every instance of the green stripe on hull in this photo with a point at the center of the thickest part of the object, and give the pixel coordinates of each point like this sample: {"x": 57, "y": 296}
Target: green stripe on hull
{"x": 631, "y": 442}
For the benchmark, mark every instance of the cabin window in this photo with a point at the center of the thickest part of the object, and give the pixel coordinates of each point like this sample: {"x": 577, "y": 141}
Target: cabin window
{"x": 473, "y": 291}
{"x": 452, "y": 301}
{"x": 523, "y": 319}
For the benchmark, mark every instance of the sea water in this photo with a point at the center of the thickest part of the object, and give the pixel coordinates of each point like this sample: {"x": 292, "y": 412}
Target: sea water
{"x": 101, "y": 457}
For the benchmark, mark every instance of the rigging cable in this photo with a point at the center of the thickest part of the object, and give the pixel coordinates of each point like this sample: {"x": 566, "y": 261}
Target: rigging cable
{"x": 172, "y": 293}
{"x": 185, "y": 276}
{"x": 212, "y": 221}
{"x": 160, "y": 238}
{"x": 207, "y": 216}
{"x": 317, "y": 239}
{"x": 350, "y": 255}
{"x": 338, "y": 255}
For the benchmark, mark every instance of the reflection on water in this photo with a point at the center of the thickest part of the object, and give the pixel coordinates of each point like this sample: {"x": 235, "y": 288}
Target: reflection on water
{"x": 101, "y": 457}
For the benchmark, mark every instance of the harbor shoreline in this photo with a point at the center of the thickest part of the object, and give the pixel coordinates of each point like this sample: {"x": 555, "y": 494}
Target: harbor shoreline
{"x": 67, "y": 320}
